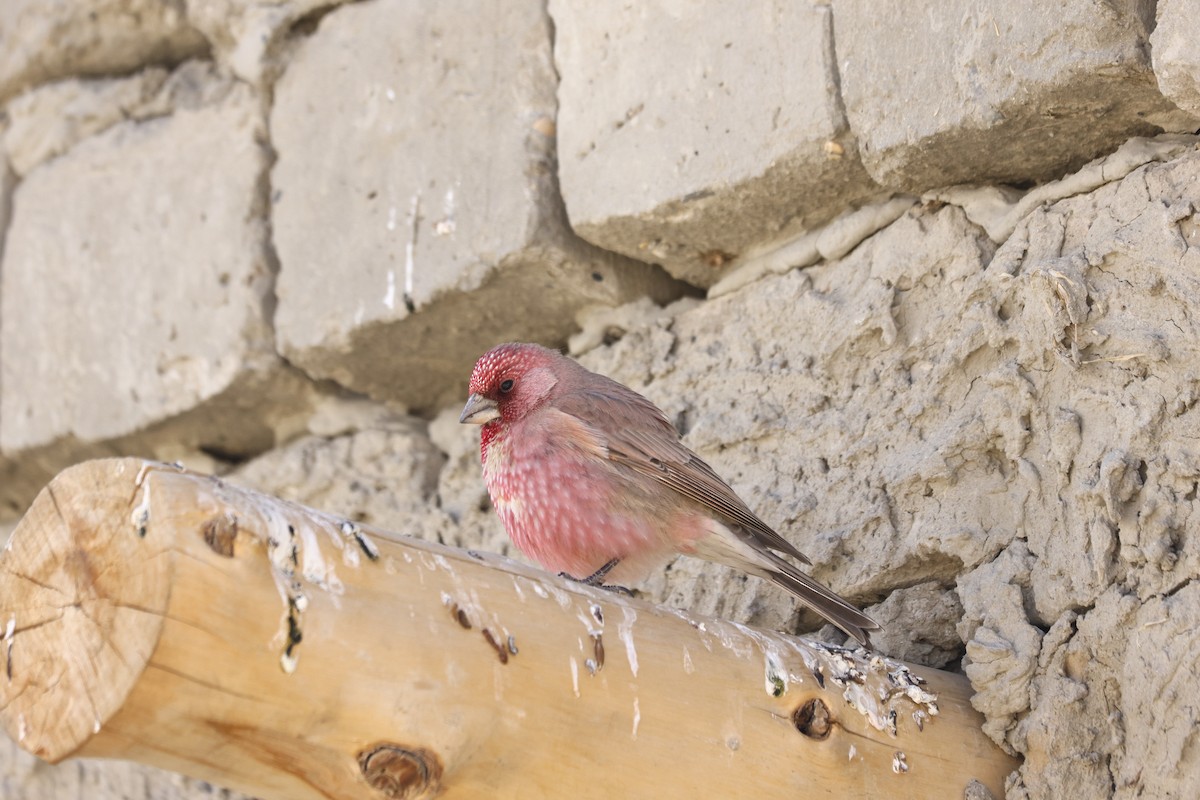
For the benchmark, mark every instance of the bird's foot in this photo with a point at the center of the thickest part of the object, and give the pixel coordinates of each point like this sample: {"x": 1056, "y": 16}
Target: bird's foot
{"x": 597, "y": 578}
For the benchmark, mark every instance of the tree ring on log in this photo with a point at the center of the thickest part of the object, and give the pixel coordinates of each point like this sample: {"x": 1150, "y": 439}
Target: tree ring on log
{"x": 83, "y": 605}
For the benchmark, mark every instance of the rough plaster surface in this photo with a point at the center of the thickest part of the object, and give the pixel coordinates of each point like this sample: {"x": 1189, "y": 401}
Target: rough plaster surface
{"x": 160, "y": 302}
{"x": 740, "y": 139}
{"x": 994, "y": 91}
{"x": 41, "y": 40}
{"x": 384, "y": 476}
{"x": 1176, "y": 53}
{"x": 437, "y": 175}
{"x": 788, "y": 408}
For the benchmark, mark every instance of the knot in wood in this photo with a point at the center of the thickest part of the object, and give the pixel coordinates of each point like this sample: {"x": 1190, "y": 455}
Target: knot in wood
{"x": 220, "y": 533}
{"x": 813, "y": 719}
{"x": 399, "y": 772}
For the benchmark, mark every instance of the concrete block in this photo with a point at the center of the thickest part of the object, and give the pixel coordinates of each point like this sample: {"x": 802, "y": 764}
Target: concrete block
{"x": 134, "y": 293}
{"x": 249, "y": 36}
{"x": 8, "y": 183}
{"x": 1175, "y": 52}
{"x": 416, "y": 210}
{"x": 44, "y": 40}
{"x": 47, "y": 121}
{"x": 691, "y": 132}
{"x": 8, "y": 470}
{"x": 27, "y": 777}
{"x": 941, "y": 93}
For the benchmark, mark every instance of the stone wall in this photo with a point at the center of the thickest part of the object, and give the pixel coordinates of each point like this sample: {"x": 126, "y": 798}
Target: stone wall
{"x": 921, "y": 280}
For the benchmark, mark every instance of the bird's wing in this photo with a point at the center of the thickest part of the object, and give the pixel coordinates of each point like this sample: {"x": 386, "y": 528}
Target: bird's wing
{"x": 639, "y": 436}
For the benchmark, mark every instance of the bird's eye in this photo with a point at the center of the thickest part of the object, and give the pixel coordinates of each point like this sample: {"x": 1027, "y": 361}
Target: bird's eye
{"x": 506, "y": 386}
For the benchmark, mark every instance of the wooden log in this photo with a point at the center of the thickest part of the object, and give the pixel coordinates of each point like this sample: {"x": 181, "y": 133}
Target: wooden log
{"x": 166, "y": 617}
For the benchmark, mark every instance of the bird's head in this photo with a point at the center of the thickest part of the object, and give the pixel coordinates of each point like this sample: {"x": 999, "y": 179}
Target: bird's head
{"x": 509, "y": 381}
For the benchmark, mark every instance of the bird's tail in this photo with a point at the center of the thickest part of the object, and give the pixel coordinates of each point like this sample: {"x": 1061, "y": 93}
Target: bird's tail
{"x": 749, "y": 553}
{"x": 823, "y": 600}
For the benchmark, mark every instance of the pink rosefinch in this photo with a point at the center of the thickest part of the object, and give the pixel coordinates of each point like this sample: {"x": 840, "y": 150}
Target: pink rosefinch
{"x": 590, "y": 479}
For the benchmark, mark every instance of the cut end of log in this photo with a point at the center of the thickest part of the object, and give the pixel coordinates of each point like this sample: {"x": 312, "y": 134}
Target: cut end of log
{"x": 81, "y": 605}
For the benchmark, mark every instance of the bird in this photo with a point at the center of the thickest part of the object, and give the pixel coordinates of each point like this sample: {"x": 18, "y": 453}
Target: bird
{"x": 592, "y": 481}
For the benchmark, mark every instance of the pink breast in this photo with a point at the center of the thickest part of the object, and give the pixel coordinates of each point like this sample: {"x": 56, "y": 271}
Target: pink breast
{"x": 560, "y": 510}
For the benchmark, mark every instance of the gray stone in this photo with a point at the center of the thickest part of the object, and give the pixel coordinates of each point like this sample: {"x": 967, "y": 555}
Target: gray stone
{"x": 249, "y": 37}
{"x": 26, "y": 777}
{"x": 951, "y": 92}
{"x": 919, "y": 625}
{"x": 416, "y": 215}
{"x": 693, "y": 132}
{"x": 45, "y": 122}
{"x": 1176, "y": 54}
{"x": 159, "y": 305}
{"x": 385, "y": 476}
{"x": 8, "y": 183}
{"x": 48, "y": 39}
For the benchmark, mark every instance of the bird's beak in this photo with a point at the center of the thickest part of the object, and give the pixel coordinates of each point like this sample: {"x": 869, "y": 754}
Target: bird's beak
{"x": 478, "y": 410}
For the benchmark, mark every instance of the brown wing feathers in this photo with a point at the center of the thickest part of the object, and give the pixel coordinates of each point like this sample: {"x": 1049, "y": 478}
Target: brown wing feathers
{"x": 654, "y": 449}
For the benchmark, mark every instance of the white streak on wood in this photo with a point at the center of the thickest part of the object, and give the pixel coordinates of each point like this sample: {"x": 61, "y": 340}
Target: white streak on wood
{"x": 625, "y": 631}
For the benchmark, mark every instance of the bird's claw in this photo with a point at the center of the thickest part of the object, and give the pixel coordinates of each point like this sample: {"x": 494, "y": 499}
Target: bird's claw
{"x": 597, "y": 578}
{"x": 598, "y": 583}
